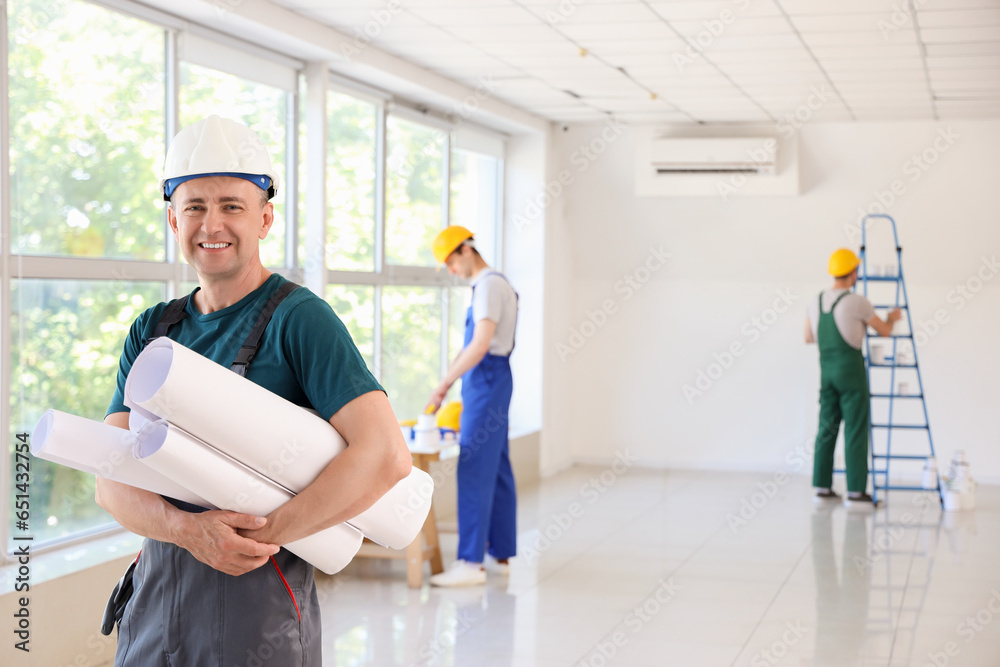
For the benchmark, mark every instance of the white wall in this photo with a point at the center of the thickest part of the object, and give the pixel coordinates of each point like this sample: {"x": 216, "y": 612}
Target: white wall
{"x": 523, "y": 263}
{"x": 730, "y": 260}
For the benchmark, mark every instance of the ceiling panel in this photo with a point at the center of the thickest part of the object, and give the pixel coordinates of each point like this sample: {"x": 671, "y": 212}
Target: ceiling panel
{"x": 716, "y": 60}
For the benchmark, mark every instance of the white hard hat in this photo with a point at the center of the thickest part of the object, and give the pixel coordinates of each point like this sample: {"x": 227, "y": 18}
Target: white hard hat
{"x": 217, "y": 146}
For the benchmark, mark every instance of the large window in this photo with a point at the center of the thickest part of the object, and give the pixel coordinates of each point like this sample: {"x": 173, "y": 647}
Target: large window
{"x": 85, "y": 136}
{"x": 414, "y": 191}
{"x": 93, "y": 95}
{"x": 64, "y": 356}
{"x": 206, "y": 91}
{"x": 351, "y": 183}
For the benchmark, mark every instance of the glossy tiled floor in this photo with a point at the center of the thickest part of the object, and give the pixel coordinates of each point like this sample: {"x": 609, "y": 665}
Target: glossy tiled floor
{"x": 694, "y": 569}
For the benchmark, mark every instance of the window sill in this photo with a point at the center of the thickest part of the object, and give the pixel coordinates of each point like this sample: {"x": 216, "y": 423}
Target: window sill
{"x": 60, "y": 561}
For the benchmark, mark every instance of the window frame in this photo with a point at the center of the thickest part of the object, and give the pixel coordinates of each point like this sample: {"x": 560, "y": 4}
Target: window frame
{"x": 173, "y": 272}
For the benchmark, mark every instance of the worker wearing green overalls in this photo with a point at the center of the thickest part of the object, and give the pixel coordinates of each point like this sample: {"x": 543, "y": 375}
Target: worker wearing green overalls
{"x": 841, "y": 319}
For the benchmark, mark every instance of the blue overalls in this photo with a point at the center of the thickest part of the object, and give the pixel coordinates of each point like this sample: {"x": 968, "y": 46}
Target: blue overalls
{"x": 487, "y": 499}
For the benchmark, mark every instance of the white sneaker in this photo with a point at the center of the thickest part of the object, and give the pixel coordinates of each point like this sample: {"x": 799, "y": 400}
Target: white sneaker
{"x": 496, "y": 567}
{"x": 461, "y": 573}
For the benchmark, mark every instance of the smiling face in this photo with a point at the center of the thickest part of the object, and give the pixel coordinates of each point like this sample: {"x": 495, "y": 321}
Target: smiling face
{"x": 218, "y": 222}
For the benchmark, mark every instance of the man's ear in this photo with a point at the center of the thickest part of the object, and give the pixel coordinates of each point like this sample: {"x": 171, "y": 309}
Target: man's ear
{"x": 268, "y": 215}
{"x": 172, "y": 218}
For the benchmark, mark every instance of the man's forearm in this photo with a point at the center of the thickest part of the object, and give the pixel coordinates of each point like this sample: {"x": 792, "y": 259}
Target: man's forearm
{"x": 142, "y": 512}
{"x": 466, "y": 360}
{"x": 376, "y": 458}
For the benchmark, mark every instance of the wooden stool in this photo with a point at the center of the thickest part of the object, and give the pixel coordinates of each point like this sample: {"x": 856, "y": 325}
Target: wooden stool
{"x": 424, "y": 546}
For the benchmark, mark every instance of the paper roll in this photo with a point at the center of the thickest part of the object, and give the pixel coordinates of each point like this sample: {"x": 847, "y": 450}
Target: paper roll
{"x": 230, "y": 485}
{"x": 396, "y": 518}
{"x": 99, "y": 449}
{"x": 259, "y": 428}
{"x": 269, "y": 434}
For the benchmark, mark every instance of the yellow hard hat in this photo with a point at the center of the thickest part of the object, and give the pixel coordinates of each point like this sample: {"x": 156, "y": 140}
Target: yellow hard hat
{"x": 450, "y": 416}
{"x": 842, "y": 262}
{"x": 448, "y": 241}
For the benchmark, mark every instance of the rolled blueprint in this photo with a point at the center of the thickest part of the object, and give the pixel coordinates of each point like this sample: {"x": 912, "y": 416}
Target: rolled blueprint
{"x": 267, "y": 433}
{"x": 99, "y": 449}
{"x": 230, "y": 485}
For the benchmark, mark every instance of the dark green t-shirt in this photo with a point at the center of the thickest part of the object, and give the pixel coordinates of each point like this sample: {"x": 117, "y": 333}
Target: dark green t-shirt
{"x": 306, "y": 354}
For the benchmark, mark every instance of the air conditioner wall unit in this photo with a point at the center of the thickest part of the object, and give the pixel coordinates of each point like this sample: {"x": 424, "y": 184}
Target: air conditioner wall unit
{"x": 713, "y": 155}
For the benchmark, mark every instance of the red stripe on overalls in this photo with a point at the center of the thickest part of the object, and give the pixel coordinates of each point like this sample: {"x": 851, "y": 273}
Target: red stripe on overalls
{"x": 287, "y": 588}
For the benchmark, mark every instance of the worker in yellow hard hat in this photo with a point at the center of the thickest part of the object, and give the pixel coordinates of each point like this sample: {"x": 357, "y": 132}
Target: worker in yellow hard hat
{"x": 838, "y": 322}
{"x": 487, "y": 500}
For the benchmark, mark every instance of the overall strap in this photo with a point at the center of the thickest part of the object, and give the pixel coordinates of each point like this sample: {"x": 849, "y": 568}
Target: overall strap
{"x": 174, "y": 313}
{"x": 252, "y": 343}
{"x": 838, "y": 301}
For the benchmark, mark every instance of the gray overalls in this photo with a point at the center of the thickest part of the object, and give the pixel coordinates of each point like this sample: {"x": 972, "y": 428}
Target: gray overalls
{"x": 183, "y": 613}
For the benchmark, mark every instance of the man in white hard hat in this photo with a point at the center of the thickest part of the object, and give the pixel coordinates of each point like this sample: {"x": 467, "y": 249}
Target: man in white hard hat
{"x": 487, "y": 497}
{"x": 215, "y": 587}
{"x": 838, "y": 322}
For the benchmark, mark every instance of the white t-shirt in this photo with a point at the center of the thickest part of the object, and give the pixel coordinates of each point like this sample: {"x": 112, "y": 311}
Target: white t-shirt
{"x": 494, "y": 299}
{"x": 851, "y": 316}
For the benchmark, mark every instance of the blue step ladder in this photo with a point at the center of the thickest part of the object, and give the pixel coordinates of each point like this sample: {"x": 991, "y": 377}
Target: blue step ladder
{"x": 881, "y": 432}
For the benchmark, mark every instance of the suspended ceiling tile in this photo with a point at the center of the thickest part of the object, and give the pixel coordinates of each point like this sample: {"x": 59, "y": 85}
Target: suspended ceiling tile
{"x": 969, "y": 34}
{"x": 393, "y": 34}
{"x": 959, "y": 18}
{"x": 616, "y": 49}
{"x": 540, "y": 50}
{"x": 851, "y": 40}
{"x": 741, "y": 25}
{"x": 914, "y": 75}
{"x": 763, "y": 58}
{"x": 840, "y": 65}
{"x": 604, "y": 13}
{"x": 811, "y": 7}
{"x": 345, "y": 5}
{"x": 941, "y": 75}
{"x": 475, "y": 15}
{"x": 963, "y": 62}
{"x": 727, "y": 42}
{"x": 646, "y": 31}
{"x": 869, "y": 52}
{"x": 486, "y": 35}
{"x": 909, "y": 112}
{"x": 741, "y": 115}
{"x": 839, "y": 23}
{"x": 985, "y": 109}
{"x": 970, "y": 49}
{"x": 713, "y": 9}
{"x": 651, "y": 118}
{"x": 951, "y": 5}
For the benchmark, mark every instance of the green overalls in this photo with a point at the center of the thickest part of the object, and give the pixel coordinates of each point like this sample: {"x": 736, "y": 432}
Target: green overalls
{"x": 843, "y": 394}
